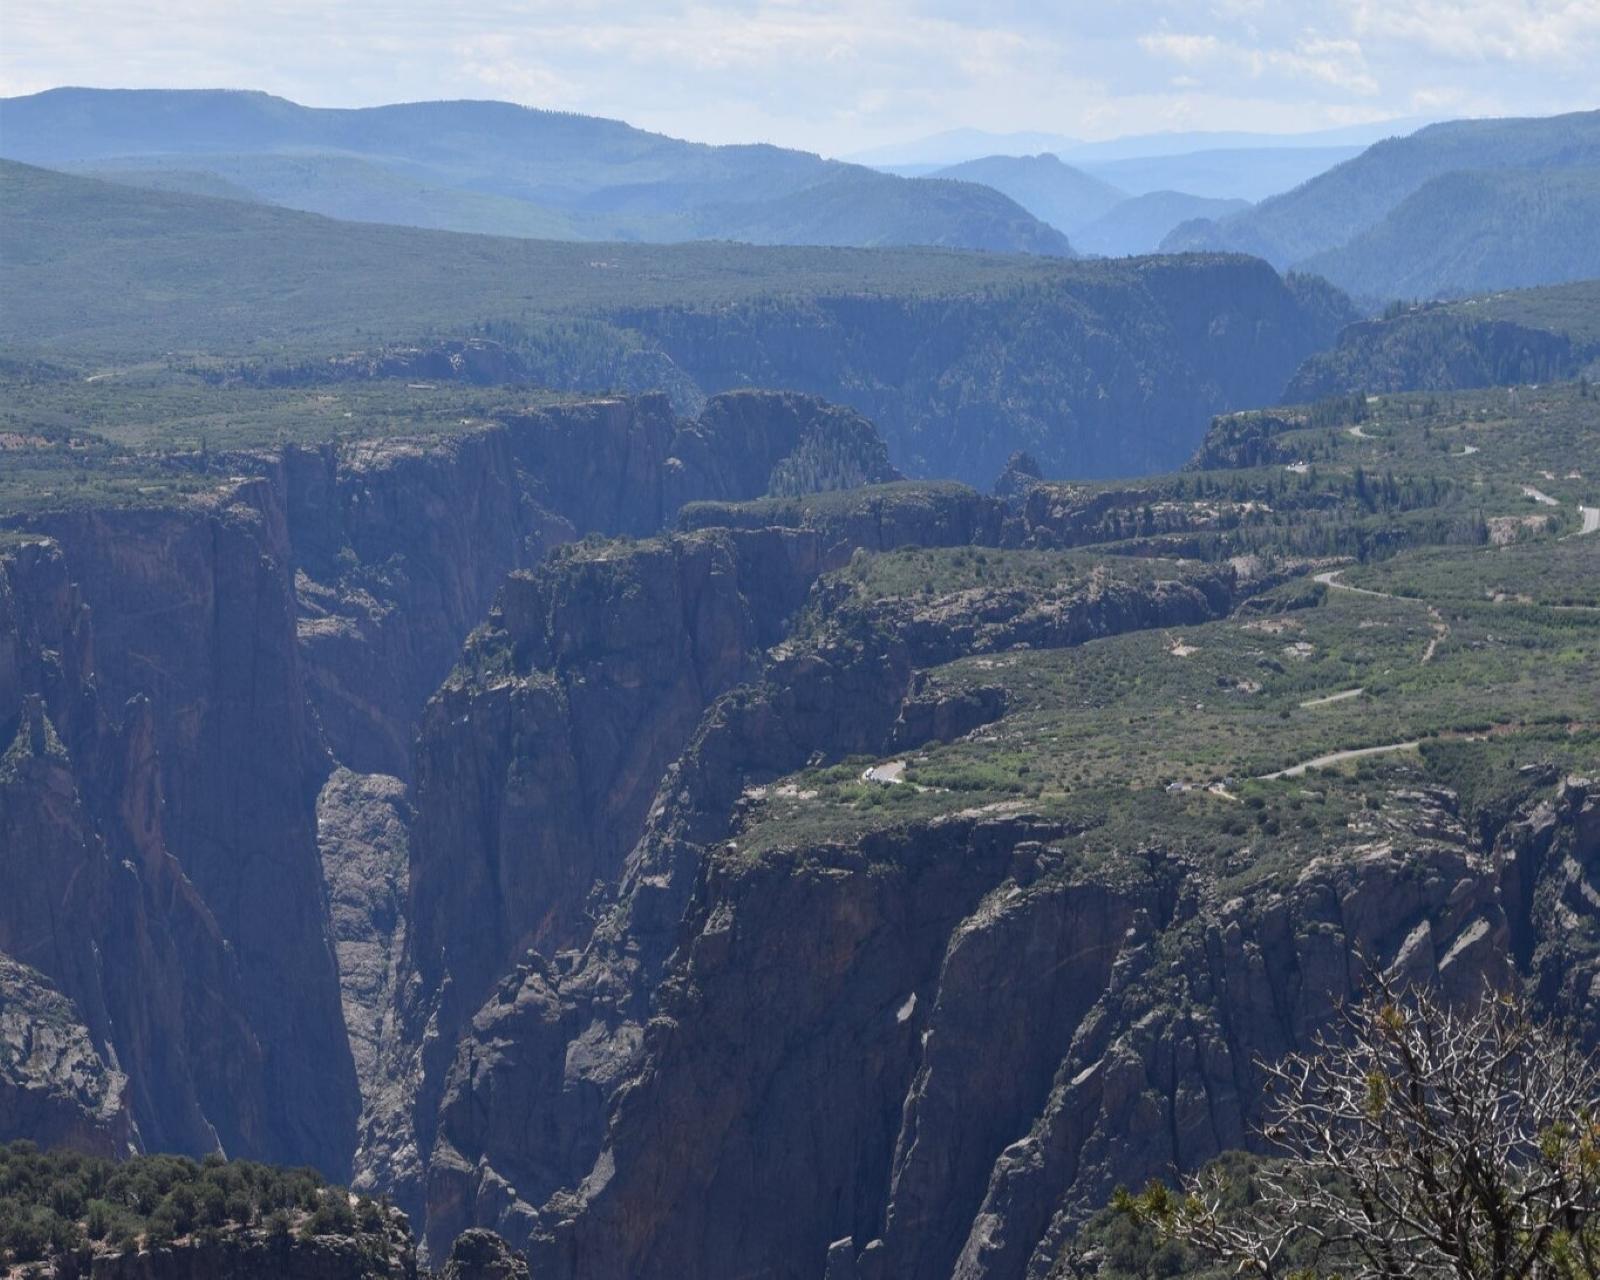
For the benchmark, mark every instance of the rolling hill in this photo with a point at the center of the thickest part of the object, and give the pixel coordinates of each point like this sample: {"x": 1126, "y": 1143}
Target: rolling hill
{"x": 1095, "y": 367}
{"x": 1053, "y": 192}
{"x": 1140, "y": 223}
{"x": 1504, "y": 339}
{"x": 340, "y": 186}
{"x": 1474, "y": 231}
{"x": 497, "y": 168}
{"x": 1333, "y": 209}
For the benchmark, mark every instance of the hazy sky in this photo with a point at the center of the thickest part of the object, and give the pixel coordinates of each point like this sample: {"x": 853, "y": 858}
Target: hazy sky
{"x": 840, "y": 75}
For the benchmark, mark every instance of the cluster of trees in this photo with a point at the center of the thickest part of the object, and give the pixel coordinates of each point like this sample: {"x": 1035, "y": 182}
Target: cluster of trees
{"x": 59, "y": 1203}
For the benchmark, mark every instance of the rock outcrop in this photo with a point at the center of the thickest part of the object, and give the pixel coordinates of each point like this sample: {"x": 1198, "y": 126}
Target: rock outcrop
{"x": 400, "y": 546}
{"x": 54, "y": 1084}
{"x": 482, "y": 1255}
{"x": 363, "y": 831}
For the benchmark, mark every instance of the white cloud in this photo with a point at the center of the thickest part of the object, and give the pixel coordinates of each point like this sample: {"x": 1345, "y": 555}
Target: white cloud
{"x": 1521, "y": 32}
{"x": 838, "y": 75}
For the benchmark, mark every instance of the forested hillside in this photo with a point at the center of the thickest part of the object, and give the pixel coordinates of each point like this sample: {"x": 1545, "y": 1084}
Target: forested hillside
{"x": 1330, "y": 212}
{"x": 500, "y": 169}
{"x": 1470, "y": 232}
{"x": 1096, "y": 367}
{"x": 1531, "y": 335}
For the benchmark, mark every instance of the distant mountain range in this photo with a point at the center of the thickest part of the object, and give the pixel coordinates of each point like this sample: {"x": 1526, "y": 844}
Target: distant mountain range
{"x": 1247, "y": 174}
{"x": 1061, "y": 195}
{"x": 1139, "y": 223}
{"x": 1473, "y": 231}
{"x": 1469, "y": 205}
{"x": 493, "y": 167}
{"x": 1098, "y": 217}
{"x": 1453, "y": 208}
{"x": 957, "y": 145}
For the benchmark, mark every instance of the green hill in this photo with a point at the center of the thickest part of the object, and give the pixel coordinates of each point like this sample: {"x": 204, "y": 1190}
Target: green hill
{"x": 94, "y": 266}
{"x": 1471, "y": 232}
{"x": 339, "y": 186}
{"x": 497, "y": 168}
{"x": 962, "y": 358}
{"x": 1504, "y": 339}
{"x": 1332, "y": 209}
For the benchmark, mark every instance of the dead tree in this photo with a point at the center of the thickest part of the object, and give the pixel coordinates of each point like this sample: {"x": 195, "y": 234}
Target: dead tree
{"x": 1424, "y": 1141}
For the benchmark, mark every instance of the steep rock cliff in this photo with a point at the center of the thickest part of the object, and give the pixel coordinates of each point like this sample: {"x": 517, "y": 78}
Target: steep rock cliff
{"x": 294, "y": 617}
{"x": 400, "y": 546}
{"x": 94, "y": 896}
{"x": 512, "y": 1107}
{"x": 1105, "y": 375}
{"x": 963, "y": 1036}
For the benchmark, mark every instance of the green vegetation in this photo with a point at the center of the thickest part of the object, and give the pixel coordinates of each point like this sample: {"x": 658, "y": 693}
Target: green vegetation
{"x": 1467, "y": 232}
{"x": 1531, "y": 336}
{"x": 959, "y": 358}
{"x": 62, "y": 1203}
{"x": 1334, "y": 208}
{"x": 155, "y": 434}
{"x": 164, "y": 272}
{"x": 1470, "y": 644}
{"x": 1427, "y": 1137}
{"x": 821, "y": 508}
{"x": 1360, "y": 478}
{"x": 1568, "y": 308}
{"x": 943, "y": 571}
{"x": 1120, "y": 1243}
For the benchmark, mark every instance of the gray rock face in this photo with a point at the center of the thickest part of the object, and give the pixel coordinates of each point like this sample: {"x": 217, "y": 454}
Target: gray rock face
{"x": 961, "y": 1089}
{"x": 177, "y": 685}
{"x": 362, "y": 832}
{"x": 93, "y": 900}
{"x": 512, "y": 1109}
{"x": 194, "y": 613}
{"x": 53, "y": 1082}
{"x": 959, "y": 1039}
{"x": 399, "y": 547}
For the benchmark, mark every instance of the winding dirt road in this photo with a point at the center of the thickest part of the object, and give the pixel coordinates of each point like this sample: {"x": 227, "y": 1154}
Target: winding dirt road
{"x": 1339, "y": 757}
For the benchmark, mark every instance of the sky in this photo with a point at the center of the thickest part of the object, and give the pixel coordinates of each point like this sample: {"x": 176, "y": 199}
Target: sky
{"x": 839, "y": 76}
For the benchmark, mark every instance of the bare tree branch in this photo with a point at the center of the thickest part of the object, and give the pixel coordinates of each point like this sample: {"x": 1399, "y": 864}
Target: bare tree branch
{"x": 1421, "y": 1140}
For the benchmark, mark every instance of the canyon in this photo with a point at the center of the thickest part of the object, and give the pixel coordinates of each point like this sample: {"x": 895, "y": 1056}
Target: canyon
{"x": 480, "y": 818}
